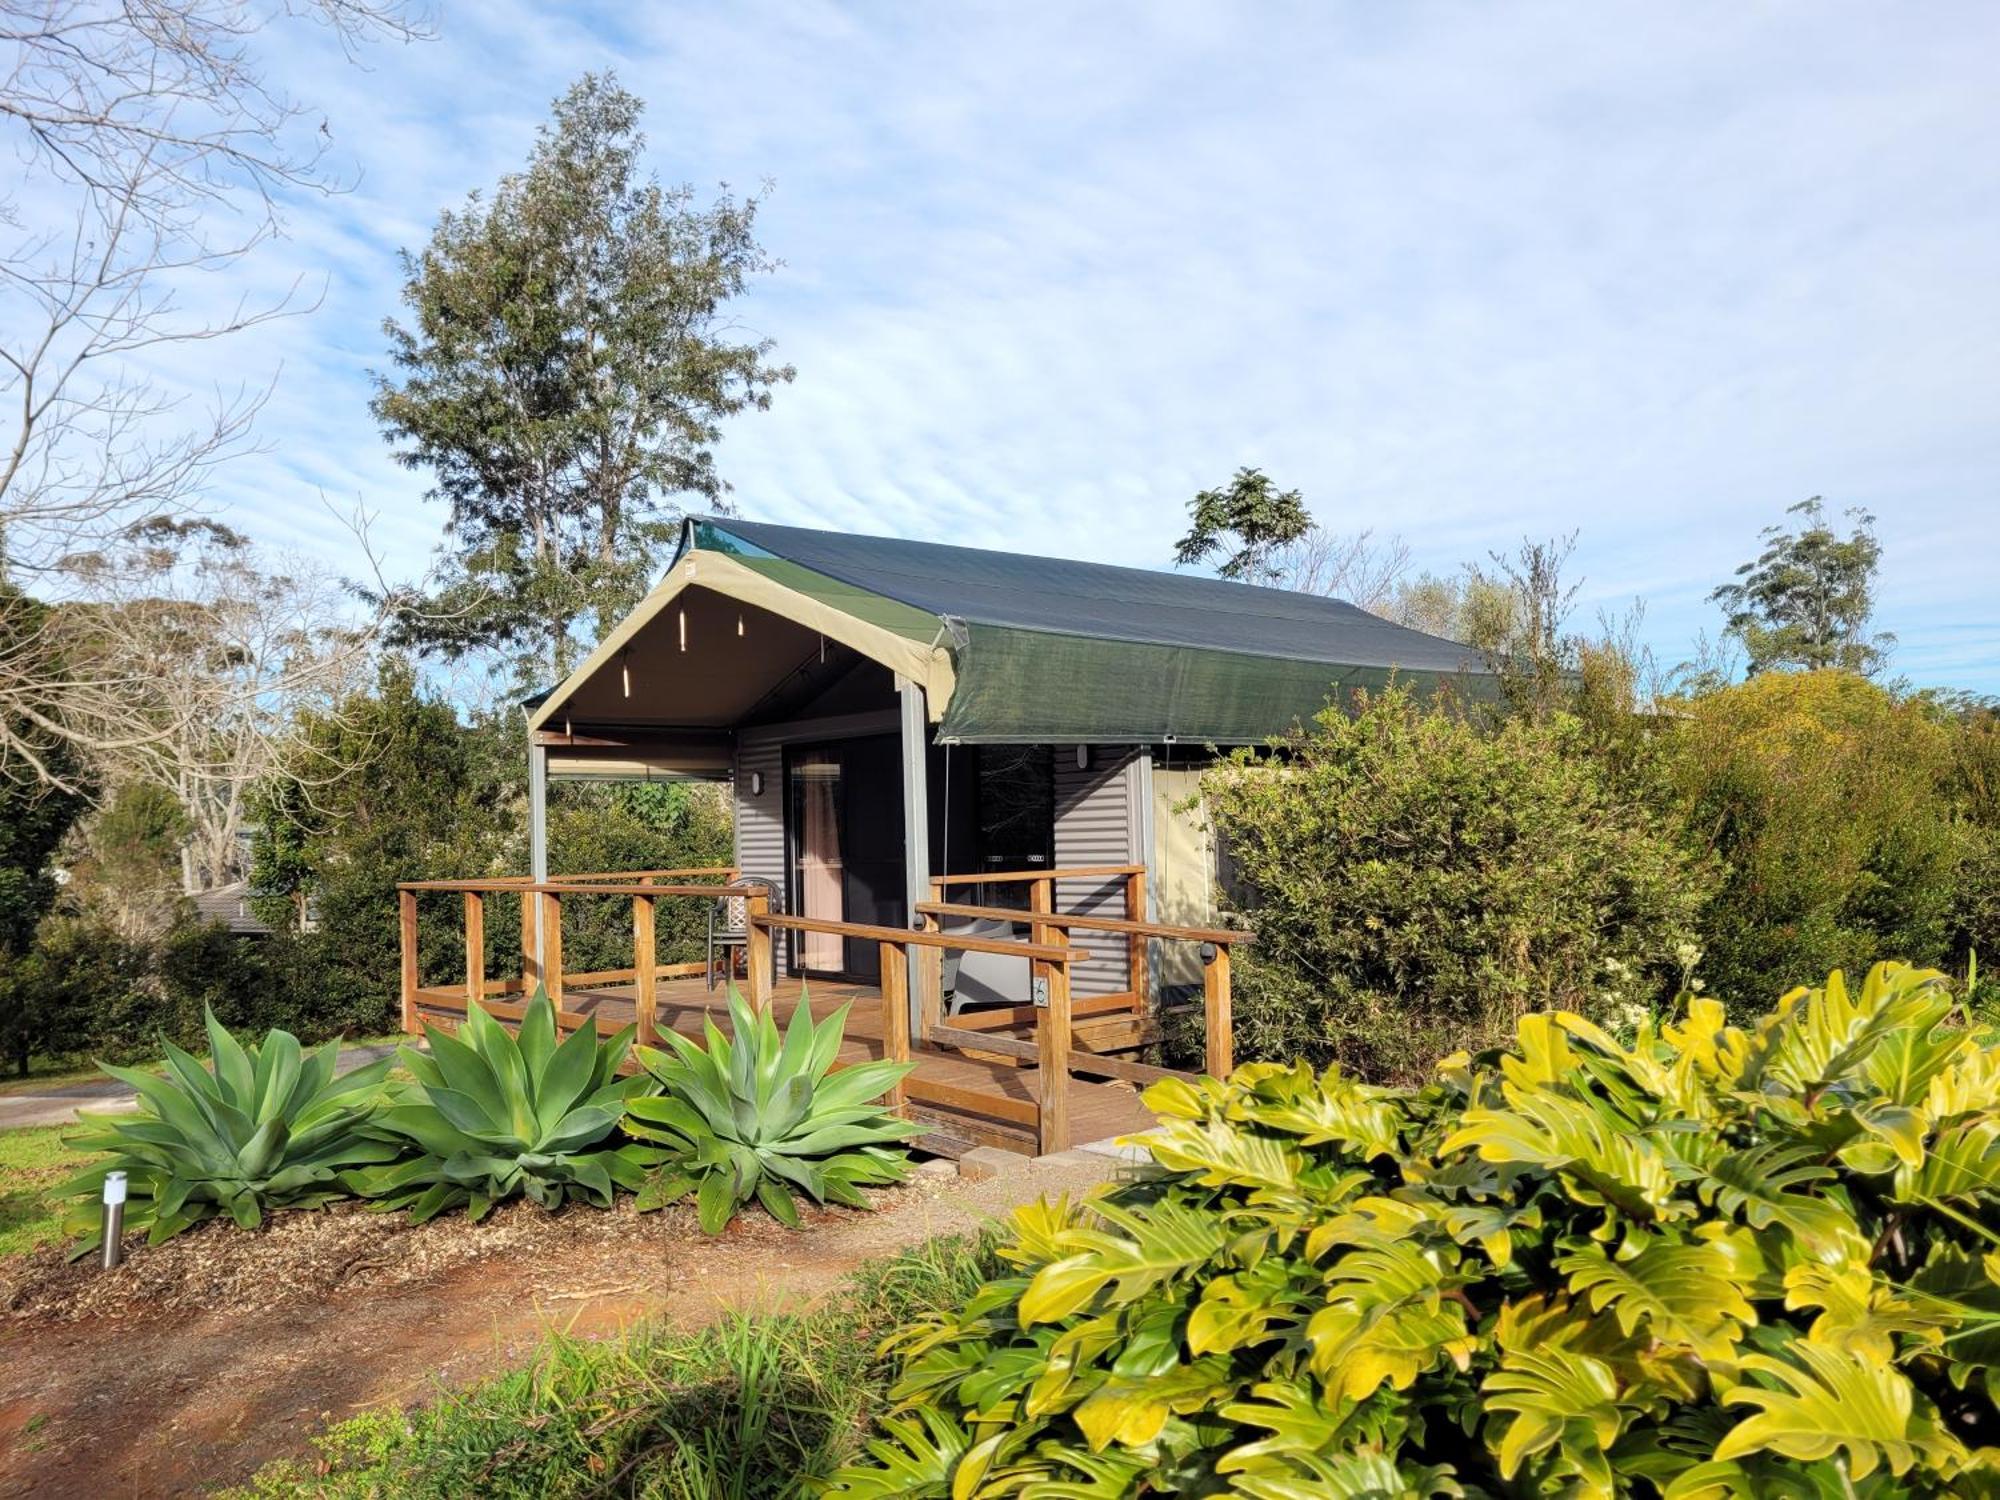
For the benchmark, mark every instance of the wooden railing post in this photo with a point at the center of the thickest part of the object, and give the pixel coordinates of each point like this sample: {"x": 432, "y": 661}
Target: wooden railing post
{"x": 552, "y": 954}
{"x": 1137, "y": 952}
{"x": 930, "y": 985}
{"x": 406, "y": 902}
{"x": 757, "y": 948}
{"x": 645, "y": 969}
{"x": 1221, "y": 1049}
{"x": 895, "y": 1014}
{"x": 475, "y": 947}
{"x": 1052, "y": 1042}
{"x": 531, "y": 955}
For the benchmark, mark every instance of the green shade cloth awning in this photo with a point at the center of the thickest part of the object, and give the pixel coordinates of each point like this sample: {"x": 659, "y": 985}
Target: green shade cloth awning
{"x": 1052, "y": 650}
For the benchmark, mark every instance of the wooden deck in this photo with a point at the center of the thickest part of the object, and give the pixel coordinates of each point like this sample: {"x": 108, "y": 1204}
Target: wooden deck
{"x": 966, "y": 1099}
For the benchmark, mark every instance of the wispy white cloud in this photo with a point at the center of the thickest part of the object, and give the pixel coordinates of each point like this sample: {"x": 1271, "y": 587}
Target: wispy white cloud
{"x": 1460, "y": 272}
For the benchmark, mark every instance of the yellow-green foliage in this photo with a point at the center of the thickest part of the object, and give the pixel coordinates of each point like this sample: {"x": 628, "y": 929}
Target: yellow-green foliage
{"x": 1831, "y": 802}
{"x": 1719, "y": 1262}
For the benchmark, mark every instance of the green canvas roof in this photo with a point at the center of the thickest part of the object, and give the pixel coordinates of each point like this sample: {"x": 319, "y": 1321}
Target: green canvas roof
{"x": 1052, "y": 650}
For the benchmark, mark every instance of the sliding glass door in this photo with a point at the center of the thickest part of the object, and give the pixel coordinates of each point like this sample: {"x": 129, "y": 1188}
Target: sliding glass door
{"x": 844, "y": 809}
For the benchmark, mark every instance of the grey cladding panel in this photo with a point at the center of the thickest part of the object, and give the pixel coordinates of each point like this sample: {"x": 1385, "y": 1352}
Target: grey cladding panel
{"x": 760, "y": 817}
{"x": 1095, "y": 825}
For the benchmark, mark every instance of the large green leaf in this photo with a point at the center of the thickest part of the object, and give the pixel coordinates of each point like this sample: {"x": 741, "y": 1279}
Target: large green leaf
{"x": 1823, "y": 1400}
{"x": 1675, "y": 1293}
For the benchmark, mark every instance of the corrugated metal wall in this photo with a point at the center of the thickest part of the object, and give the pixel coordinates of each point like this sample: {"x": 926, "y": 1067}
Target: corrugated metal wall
{"x": 760, "y": 819}
{"x": 1096, "y": 824}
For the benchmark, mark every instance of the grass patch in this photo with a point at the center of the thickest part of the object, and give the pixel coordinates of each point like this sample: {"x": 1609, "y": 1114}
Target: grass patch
{"x": 33, "y": 1162}
{"x": 749, "y": 1408}
{"x": 45, "y": 1073}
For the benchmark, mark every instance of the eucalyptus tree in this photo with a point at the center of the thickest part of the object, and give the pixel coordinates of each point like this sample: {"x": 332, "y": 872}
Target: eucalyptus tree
{"x": 568, "y": 353}
{"x": 1807, "y": 599}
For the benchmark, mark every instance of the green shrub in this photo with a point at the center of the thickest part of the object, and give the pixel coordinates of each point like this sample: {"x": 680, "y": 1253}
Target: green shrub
{"x": 1416, "y": 884}
{"x": 760, "y": 1117}
{"x": 1718, "y": 1262}
{"x": 491, "y": 1116}
{"x": 261, "y": 1128}
{"x": 1828, "y": 799}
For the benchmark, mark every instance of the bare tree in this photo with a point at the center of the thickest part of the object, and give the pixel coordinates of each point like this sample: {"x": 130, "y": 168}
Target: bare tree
{"x": 1355, "y": 566}
{"x": 191, "y": 662}
{"x": 153, "y": 156}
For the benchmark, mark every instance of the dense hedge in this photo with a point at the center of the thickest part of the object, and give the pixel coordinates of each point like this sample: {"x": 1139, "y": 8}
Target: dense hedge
{"x": 1417, "y": 883}
{"x": 1417, "y": 878}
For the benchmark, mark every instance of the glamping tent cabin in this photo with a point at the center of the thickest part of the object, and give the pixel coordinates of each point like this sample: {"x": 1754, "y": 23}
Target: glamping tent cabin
{"x": 1023, "y": 713}
{"x": 907, "y": 725}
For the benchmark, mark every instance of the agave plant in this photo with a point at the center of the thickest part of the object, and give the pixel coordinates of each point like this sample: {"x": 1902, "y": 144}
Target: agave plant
{"x": 763, "y": 1116}
{"x": 491, "y": 1116}
{"x": 1721, "y": 1261}
{"x": 261, "y": 1128}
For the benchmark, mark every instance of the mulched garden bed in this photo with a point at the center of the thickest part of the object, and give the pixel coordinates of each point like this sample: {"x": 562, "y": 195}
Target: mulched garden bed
{"x": 217, "y": 1267}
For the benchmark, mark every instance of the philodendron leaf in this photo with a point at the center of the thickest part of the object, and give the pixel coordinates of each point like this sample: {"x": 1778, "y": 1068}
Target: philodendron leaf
{"x": 1824, "y": 1400}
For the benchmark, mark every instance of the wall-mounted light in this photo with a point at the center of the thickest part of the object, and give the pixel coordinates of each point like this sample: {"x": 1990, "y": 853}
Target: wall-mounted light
{"x": 756, "y": 783}
{"x": 1083, "y": 757}
{"x": 625, "y": 673}
{"x": 684, "y": 630}
{"x": 739, "y": 624}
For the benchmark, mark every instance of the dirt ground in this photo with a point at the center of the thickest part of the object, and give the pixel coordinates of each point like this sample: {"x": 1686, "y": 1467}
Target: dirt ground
{"x": 200, "y": 1361}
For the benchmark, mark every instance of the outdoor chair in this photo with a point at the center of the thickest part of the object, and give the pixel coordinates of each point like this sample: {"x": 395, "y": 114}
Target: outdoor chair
{"x": 983, "y": 978}
{"x": 729, "y": 933}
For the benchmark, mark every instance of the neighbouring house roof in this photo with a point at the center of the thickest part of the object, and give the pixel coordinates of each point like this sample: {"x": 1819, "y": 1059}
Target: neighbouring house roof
{"x": 229, "y": 905}
{"x": 1013, "y": 647}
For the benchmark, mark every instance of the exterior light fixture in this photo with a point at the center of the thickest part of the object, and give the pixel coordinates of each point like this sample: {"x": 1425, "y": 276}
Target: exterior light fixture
{"x": 114, "y": 1221}
{"x": 739, "y": 623}
{"x": 684, "y": 630}
{"x": 625, "y": 672}
{"x": 756, "y": 783}
{"x": 1083, "y": 757}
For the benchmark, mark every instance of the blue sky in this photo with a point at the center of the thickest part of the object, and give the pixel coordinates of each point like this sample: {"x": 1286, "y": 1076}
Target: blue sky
{"x": 1459, "y": 272}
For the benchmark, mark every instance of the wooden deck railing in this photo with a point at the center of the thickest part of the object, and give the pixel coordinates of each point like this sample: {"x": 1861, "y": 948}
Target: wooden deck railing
{"x": 1216, "y": 943}
{"x": 542, "y": 936}
{"x": 1041, "y": 886}
{"x": 1048, "y": 952}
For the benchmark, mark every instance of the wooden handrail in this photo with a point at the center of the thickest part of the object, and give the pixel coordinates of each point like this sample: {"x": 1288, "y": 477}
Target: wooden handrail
{"x": 1054, "y": 872}
{"x": 503, "y": 887}
{"x": 967, "y": 943}
{"x": 1221, "y": 936}
{"x": 513, "y": 881}
{"x": 728, "y": 871}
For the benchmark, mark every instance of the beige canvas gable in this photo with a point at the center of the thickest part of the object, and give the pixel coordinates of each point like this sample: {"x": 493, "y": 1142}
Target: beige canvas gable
{"x": 925, "y": 662}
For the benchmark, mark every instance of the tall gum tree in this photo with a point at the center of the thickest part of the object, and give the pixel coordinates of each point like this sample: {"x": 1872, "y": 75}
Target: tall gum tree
{"x": 567, "y": 355}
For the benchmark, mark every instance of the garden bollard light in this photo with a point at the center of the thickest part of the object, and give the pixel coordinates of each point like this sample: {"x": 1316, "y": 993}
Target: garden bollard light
{"x": 114, "y": 1220}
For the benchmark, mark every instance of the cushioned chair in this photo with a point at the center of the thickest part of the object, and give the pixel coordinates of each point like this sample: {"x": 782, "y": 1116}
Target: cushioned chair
{"x": 983, "y": 978}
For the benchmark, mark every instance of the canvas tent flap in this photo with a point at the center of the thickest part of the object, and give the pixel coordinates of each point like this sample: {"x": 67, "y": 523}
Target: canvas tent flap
{"x": 1021, "y": 649}
{"x": 1097, "y": 601}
